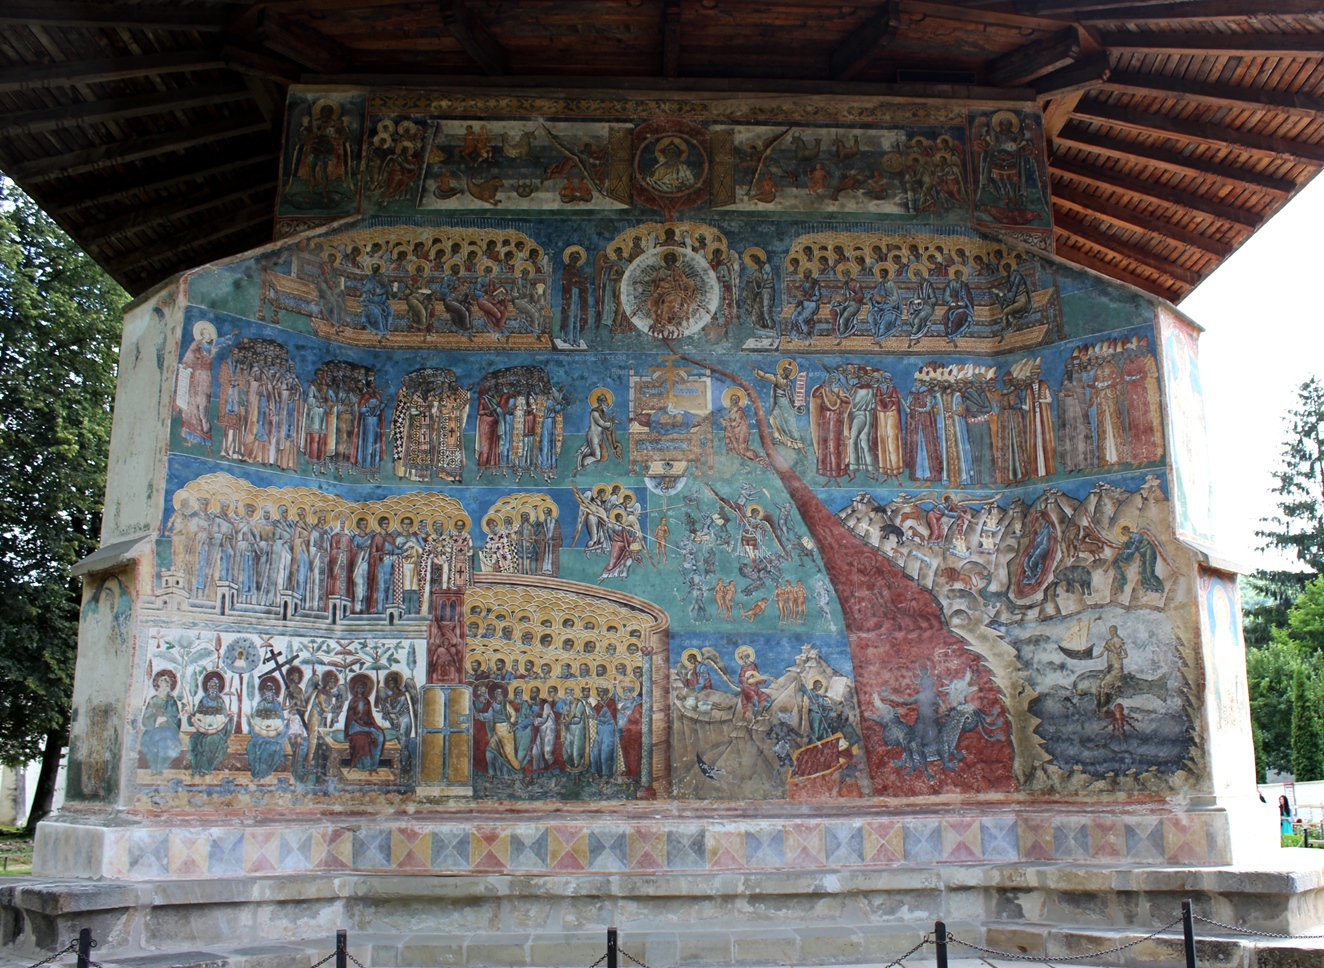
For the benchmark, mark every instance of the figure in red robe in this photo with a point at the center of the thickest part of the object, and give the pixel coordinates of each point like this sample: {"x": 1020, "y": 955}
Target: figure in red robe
{"x": 829, "y": 403}
{"x": 362, "y": 732}
{"x": 630, "y": 719}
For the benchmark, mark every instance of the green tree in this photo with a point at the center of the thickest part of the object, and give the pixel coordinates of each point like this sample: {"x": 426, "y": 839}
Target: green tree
{"x": 1269, "y": 673}
{"x": 60, "y": 319}
{"x": 1307, "y": 748}
{"x": 1303, "y": 625}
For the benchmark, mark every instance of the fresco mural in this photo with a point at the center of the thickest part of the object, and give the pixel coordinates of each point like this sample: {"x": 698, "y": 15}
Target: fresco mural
{"x": 706, "y": 491}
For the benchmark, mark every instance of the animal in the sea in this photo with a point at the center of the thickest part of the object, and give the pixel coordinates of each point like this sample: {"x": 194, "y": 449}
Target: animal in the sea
{"x": 1076, "y": 578}
{"x": 754, "y": 611}
{"x": 845, "y": 151}
{"x": 804, "y": 151}
{"x": 849, "y": 182}
{"x": 485, "y": 191}
{"x": 519, "y": 147}
{"x": 525, "y": 188}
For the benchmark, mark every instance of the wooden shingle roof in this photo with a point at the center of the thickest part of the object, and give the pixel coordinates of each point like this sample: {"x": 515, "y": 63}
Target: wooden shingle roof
{"x": 150, "y": 130}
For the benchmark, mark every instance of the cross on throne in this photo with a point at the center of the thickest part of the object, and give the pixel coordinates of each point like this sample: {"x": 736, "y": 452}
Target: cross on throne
{"x": 446, "y": 637}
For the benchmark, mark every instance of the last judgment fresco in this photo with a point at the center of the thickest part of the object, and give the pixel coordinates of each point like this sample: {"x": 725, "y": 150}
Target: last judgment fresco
{"x": 555, "y": 454}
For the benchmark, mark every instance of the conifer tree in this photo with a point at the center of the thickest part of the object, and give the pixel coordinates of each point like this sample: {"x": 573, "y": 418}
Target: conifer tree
{"x": 1307, "y": 748}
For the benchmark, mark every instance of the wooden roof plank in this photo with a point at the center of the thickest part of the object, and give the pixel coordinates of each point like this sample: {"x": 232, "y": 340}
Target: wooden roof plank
{"x": 1084, "y": 75}
{"x": 1128, "y": 218}
{"x": 861, "y": 46}
{"x": 1200, "y": 132}
{"x": 301, "y": 43}
{"x": 118, "y": 153}
{"x": 164, "y": 212}
{"x": 190, "y": 170}
{"x": 180, "y": 242}
{"x": 671, "y": 38}
{"x": 1171, "y": 197}
{"x": 31, "y": 77}
{"x": 1239, "y": 44}
{"x": 1152, "y": 260}
{"x": 1250, "y": 99}
{"x": 1120, "y": 273}
{"x": 1203, "y": 11}
{"x": 1035, "y": 59}
{"x": 109, "y": 109}
{"x": 106, "y": 13}
{"x": 1148, "y": 155}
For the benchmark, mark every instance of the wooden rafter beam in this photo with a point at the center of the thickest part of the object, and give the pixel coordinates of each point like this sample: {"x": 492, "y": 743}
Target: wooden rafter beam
{"x": 302, "y": 44}
{"x": 1239, "y": 44}
{"x": 266, "y": 65}
{"x": 1090, "y": 261}
{"x": 1035, "y": 59}
{"x": 862, "y": 45}
{"x": 1170, "y": 197}
{"x": 1128, "y": 218}
{"x": 474, "y": 36}
{"x": 84, "y": 113}
{"x": 106, "y": 13}
{"x": 121, "y": 152}
{"x": 181, "y": 242}
{"x": 1200, "y": 132}
{"x": 1173, "y": 161}
{"x": 1141, "y": 256}
{"x": 1085, "y": 75}
{"x": 163, "y": 212}
{"x": 190, "y": 170}
{"x": 1204, "y": 10}
{"x": 31, "y": 77}
{"x": 1041, "y": 8}
{"x": 1221, "y": 95}
{"x": 671, "y": 38}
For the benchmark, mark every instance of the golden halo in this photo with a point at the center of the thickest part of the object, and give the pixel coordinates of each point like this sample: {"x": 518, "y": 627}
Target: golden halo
{"x": 382, "y": 141}
{"x": 733, "y": 397}
{"x": 407, "y": 129}
{"x": 627, "y": 497}
{"x": 525, "y": 264}
{"x": 668, "y": 142}
{"x": 597, "y": 394}
{"x": 754, "y": 251}
{"x": 883, "y": 271}
{"x": 1117, "y": 531}
{"x": 917, "y": 271}
{"x": 491, "y": 524}
{"x": 817, "y": 680}
{"x": 420, "y": 268}
{"x": 204, "y": 332}
{"x": 180, "y": 496}
{"x": 893, "y": 162}
{"x": 386, "y": 126}
{"x": 460, "y": 522}
{"x": 400, "y": 254}
{"x": 389, "y": 515}
{"x": 745, "y": 650}
{"x": 583, "y": 256}
{"x": 618, "y": 515}
{"x": 318, "y": 105}
{"x": 599, "y": 490}
{"x": 601, "y": 684}
{"x": 754, "y": 510}
{"x": 846, "y": 272}
{"x": 455, "y": 267}
{"x": 998, "y": 116}
{"x": 795, "y": 367}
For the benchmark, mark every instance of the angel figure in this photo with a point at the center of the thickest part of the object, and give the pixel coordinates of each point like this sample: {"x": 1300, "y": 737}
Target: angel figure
{"x": 753, "y": 523}
{"x": 608, "y": 271}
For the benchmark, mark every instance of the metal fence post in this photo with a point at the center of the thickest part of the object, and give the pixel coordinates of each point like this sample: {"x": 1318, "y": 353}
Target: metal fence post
{"x": 612, "y": 953}
{"x": 940, "y": 941}
{"x": 1188, "y": 932}
{"x": 342, "y": 949}
{"x": 85, "y": 946}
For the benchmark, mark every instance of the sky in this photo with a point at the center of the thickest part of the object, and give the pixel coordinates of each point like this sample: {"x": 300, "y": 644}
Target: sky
{"x": 1264, "y": 337}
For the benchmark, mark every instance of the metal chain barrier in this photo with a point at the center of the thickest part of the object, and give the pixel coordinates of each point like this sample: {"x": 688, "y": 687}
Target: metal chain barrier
{"x": 598, "y": 962}
{"x": 1017, "y": 956}
{"x": 896, "y": 962}
{"x": 71, "y": 946}
{"x": 1258, "y": 934}
{"x": 627, "y": 954}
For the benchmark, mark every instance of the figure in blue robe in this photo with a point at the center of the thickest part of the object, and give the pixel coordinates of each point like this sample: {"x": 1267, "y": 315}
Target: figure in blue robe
{"x": 802, "y": 318}
{"x": 375, "y": 298}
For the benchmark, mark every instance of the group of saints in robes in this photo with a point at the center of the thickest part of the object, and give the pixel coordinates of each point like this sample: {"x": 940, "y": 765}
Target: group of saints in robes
{"x": 520, "y": 424}
{"x": 313, "y": 560}
{"x": 529, "y": 546}
{"x": 527, "y": 729}
{"x": 279, "y": 724}
{"x": 427, "y": 426}
{"x": 957, "y": 426}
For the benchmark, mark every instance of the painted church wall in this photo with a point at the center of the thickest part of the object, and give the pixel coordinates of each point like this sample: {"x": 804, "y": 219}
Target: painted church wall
{"x": 669, "y": 467}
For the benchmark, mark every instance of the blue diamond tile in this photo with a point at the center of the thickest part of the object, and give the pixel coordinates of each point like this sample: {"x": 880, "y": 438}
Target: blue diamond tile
{"x": 999, "y": 838}
{"x": 528, "y": 849}
{"x": 296, "y": 851}
{"x": 1071, "y": 839}
{"x": 765, "y": 848}
{"x": 450, "y": 848}
{"x": 372, "y": 848}
{"x": 923, "y": 840}
{"x": 843, "y": 843}
{"x": 608, "y": 849}
{"x": 687, "y": 849}
{"x": 1144, "y": 840}
{"x": 225, "y": 853}
{"x": 149, "y": 853}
